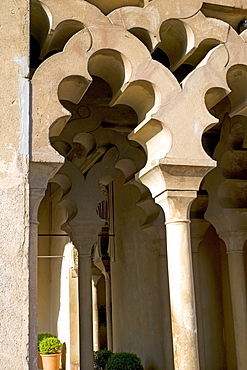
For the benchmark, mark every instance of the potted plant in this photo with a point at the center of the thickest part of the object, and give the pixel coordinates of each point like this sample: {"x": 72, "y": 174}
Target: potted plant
{"x": 124, "y": 360}
{"x": 50, "y": 351}
{"x": 40, "y": 338}
{"x": 100, "y": 358}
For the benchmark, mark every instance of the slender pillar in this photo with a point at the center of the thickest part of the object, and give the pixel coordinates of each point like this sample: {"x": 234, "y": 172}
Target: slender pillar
{"x": 95, "y": 279}
{"x": 235, "y": 242}
{"x": 36, "y": 196}
{"x": 176, "y": 205}
{"x": 229, "y": 336}
{"x": 198, "y": 229}
{"x": 85, "y": 311}
{"x": 83, "y": 233}
{"x": 108, "y": 311}
{"x": 165, "y": 299}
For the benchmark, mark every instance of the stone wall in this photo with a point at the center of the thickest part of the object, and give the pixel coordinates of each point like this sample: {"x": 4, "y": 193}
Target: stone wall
{"x": 14, "y": 133}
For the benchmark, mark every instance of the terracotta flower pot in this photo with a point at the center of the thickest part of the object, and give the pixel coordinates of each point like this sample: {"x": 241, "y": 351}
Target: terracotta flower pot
{"x": 51, "y": 362}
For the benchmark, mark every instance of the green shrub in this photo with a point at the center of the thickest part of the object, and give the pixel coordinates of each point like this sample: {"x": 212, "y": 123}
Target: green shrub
{"x": 124, "y": 361}
{"x": 50, "y": 345}
{"x": 100, "y": 358}
{"x": 42, "y": 336}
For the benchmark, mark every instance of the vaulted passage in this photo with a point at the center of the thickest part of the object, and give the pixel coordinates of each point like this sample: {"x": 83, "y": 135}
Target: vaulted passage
{"x": 141, "y": 132}
{"x": 123, "y": 182}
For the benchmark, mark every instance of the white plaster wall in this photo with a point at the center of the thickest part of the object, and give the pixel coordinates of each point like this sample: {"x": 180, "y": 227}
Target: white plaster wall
{"x": 14, "y": 203}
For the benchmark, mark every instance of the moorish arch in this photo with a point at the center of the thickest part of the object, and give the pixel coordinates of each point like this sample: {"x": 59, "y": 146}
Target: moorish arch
{"x": 85, "y": 139}
{"x": 225, "y": 209}
{"x": 72, "y": 119}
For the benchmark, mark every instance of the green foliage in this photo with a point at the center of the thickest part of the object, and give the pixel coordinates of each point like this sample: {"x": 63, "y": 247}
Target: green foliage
{"x": 124, "y": 361}
{"x": 100, "y": 358}
{"x": 42, "y": 336}
{"x": 50, "y": 345}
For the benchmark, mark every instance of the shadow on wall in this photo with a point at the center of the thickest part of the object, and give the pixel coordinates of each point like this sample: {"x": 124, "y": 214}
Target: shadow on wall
{"x": 151, "y": 367}
{"x": 64, "y": 350}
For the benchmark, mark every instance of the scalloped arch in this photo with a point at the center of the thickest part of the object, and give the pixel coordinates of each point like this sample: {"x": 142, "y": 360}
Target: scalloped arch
{"x": 41, "y": 21}
{"x": 63, "y": 181}
{"x": 237, "y": 81}
{"x": 112, "y": 66}
{"x": 61, "y": 34}
{"x": 53, "y": 25}
{"x": 177, "y": 38}
{"x": 127, "y": 52}
{"x": 140, "y": 95}
{"x": 167, "y": 29}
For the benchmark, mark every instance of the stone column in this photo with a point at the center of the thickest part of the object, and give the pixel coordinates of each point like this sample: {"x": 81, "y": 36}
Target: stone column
{"x": 36, "y": 195}
{"x": 234, "y": 241}
{"x": 95, "y": 279}
{"x": 108, "y": 310}
{"x": 176, "y": 205}
{"x": 198, "y": 229}
{"x": 83, "y": 236}
{"x": 229, "y": 336}
{"x": 85, "y": 310}
{"x": 166, "y": 307}
{"x": 105, "y": 270}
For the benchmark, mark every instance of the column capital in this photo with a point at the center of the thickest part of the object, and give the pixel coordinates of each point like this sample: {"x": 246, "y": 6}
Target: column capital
{"x": 39, "y": 175}
{"x": 174, "y": 174}
{"x": 83, "y": 234}
{"x": 95, "y": 279}
{"x": 227, "y": 220}
{"x": 234, "y": 240}
{"x": 176, "y": 205}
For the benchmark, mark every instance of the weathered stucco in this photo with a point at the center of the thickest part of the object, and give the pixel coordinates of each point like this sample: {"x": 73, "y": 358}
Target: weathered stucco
{"x": 14, "y": 193}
